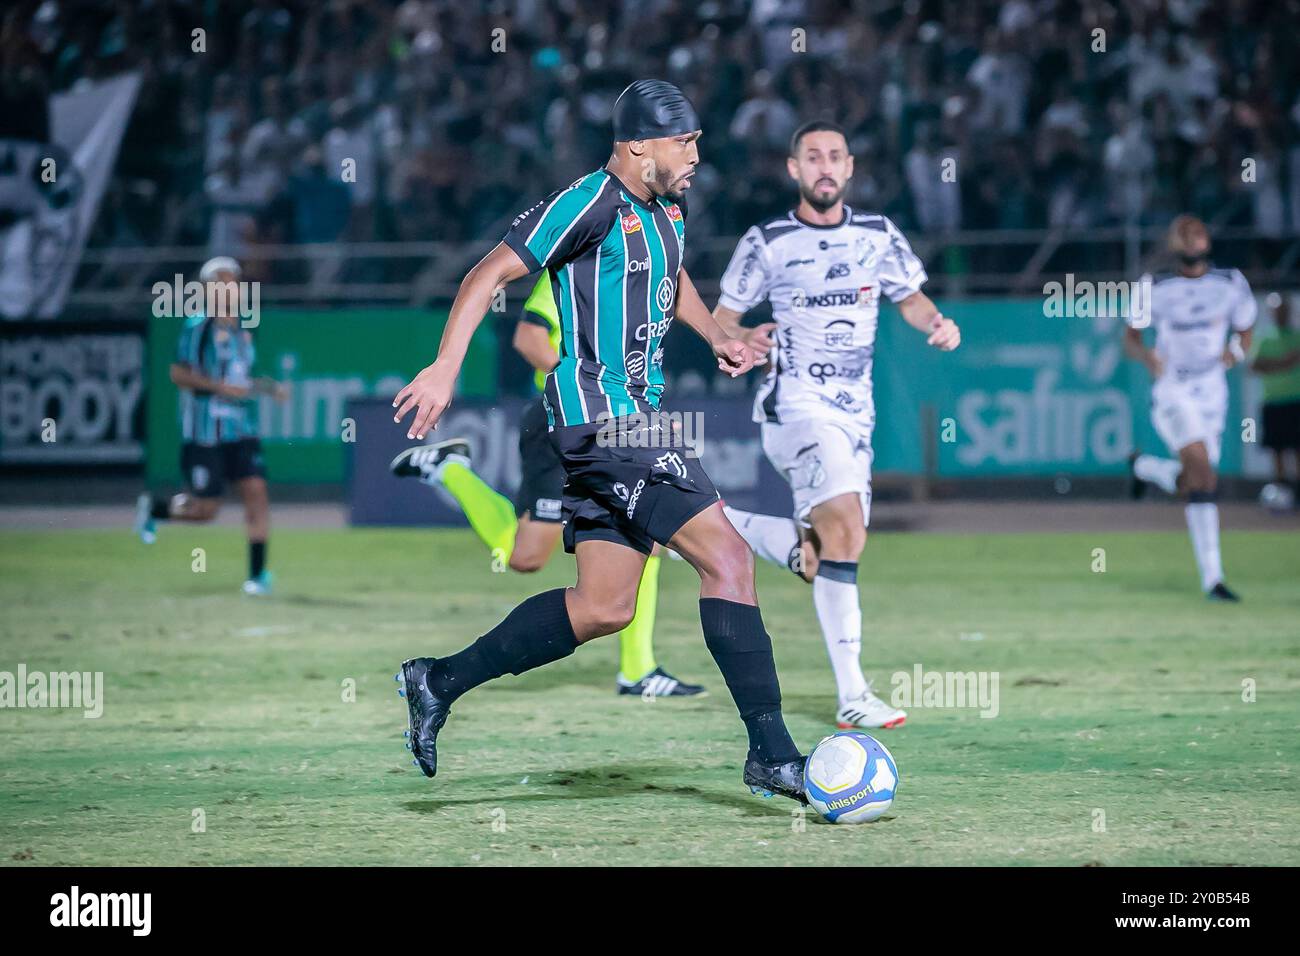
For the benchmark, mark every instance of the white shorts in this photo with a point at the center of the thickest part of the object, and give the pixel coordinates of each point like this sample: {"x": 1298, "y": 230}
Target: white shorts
{"x": 1192, "y": 411}
{"x": 821, "y": 460}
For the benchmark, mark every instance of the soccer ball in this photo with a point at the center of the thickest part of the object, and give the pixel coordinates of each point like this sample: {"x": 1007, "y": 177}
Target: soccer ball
{"x": 850, "y": 778}
{"x": 1276, "y": 498}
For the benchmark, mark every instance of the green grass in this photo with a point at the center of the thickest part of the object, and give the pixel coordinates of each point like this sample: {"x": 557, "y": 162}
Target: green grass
{"x": 1121, "y": 692}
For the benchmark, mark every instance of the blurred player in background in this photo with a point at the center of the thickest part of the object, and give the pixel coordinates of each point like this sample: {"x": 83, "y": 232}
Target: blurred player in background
{"x": 823, "y": 267}
{"x": 613, "y": 244}
{"x": 220, "y": 446}
{"x": 523, "y": 535}
{"x": 1277, "y": 362}
{"x": 1203, "y": 319}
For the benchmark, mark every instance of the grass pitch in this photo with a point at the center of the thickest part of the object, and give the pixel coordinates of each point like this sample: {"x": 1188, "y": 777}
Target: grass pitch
{"x": 229, "y": 736}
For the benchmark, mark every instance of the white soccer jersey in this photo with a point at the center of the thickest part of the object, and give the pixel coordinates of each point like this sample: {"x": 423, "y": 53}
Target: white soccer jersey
{"x": 1192, "y": 318}
{"x": 824, "y": 283}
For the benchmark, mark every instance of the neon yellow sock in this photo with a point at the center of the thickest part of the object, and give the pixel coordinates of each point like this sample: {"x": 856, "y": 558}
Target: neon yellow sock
{"x": 636, "y": 643}
{"x": 490, "y": 514}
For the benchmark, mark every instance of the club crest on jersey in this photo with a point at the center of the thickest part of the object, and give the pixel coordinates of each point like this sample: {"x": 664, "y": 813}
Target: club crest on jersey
{"x": 631, "y": 223}
{"x": 664, "y": 294}
{"x": 675, "y": 213}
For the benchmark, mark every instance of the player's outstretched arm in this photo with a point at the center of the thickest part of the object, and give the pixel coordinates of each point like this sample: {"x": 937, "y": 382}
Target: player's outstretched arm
{"x": 1137, "y": 349}
{"x": 186, "y": 378}
{"x": 734, "y": 356}
{"x": 429, "y": 393}
{"x": 921, "y": 313}
{"x": 758, "y": 338}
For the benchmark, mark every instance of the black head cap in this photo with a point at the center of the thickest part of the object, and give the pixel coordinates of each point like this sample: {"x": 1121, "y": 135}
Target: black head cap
{"x": 652, "y": 109}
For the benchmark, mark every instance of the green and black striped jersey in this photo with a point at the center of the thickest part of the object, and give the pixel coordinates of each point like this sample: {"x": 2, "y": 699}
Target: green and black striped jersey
{"x": 222, "y": 352}
{"x": 612, "y": 260}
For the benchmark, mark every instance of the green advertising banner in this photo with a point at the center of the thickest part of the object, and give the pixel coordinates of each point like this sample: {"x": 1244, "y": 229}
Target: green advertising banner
{"x": 326, "y": 356}
{"x": 1025, "y": 394}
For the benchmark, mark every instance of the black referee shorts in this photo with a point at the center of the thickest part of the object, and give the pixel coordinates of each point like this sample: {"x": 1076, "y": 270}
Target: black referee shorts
{"x": 541, "y": 485}
{"x": 631, "y": 496}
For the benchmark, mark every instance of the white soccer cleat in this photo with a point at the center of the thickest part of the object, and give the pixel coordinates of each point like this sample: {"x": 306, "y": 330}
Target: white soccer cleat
{"x": 868, "y": 712}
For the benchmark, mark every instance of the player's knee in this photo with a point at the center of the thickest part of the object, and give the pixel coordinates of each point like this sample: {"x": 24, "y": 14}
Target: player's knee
{"x": 730, "y": 563}
{"x": 610, "y": 617}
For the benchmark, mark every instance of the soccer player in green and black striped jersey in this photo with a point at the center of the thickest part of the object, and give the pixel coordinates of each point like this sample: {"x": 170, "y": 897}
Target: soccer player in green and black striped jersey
{"x": 522, "y": 535}
{"x": 611, "y": 245}
{"x": 220, "y": 446}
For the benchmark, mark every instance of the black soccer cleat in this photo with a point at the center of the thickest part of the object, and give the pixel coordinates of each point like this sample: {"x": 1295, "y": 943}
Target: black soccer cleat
{"x": 659, "y": 683}
{"x": 1137, "y": 488}
{"x": 428, "y": 713}
{"x": 1221, "y": 592}
{"x": 421, "y": 460}
{"x": 773, "y": 778}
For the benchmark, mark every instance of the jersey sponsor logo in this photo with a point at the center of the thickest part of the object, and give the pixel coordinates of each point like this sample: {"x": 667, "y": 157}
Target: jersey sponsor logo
{"x": 638, "y": 265}
{"x": 824, "y": 245}
{"x": 653, "y": 330}
{"x": 657, "y": 360}
{"x": 799, "y": 262}
{"x": 751, "y": 261}
{"x": 821, "y": 371}
{"x": 671, "y": 462}
{"x": 865, "y": 252}
{"x": 665, "y": 294}
{"x": 838, "y": 297}
{"x": 867, "y": 296}
{"x": 675, "y": 213}
{"x": 620, "y": 489}
{"x": 837, "y": 271}
{"x": 636, "y": 364}
{"x": 631, "y": 223}
{"x": 549, "y": 508}
{"x": 839, "y": 332}
{"x": 636, "y": 496}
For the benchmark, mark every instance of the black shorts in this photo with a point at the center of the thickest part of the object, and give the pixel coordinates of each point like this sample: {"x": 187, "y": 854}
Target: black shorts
{"x": 207, "y": 468}
{"x": 1281, "y": 422}
{"x": 631, "y": 496}
{"x": 541, "y": 484}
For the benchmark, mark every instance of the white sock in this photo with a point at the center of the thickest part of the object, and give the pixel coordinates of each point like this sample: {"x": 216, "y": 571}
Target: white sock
{"x": 1203, "y": 524}
{"x": 1161, "y": 472}
{"x": 771, "y": 538}
{"x": 839, "y": 611}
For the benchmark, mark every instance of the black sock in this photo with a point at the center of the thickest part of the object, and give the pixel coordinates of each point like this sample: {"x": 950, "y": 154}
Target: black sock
{"x": 737, "y": 640}
{"x": 256, "y": 558}
{"x": 537, "y": 632}
{"x": 161, "y": 509}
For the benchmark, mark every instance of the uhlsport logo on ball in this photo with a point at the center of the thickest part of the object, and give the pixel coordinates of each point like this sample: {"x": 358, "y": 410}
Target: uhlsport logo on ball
{"x": 851, "y": 778}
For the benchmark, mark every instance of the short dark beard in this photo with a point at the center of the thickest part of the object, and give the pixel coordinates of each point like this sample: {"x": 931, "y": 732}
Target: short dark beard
{"x": 817, "y": 202}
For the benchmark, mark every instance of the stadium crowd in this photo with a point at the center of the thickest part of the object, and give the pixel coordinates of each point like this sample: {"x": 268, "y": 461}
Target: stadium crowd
{"x": 455, "y": 116}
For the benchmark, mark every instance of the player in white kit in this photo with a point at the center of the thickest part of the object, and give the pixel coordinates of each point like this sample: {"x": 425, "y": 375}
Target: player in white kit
{"x": 1203, "y": 318}
{"x": 823, "y": 268}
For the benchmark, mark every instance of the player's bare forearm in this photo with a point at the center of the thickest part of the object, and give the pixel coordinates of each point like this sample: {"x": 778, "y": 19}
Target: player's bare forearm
{"x": 534, "y": 344}
{"x": 184, "y": 377}
{"x": 734, "y": 356}
{"x": 692, "y": 311}
{"x": 1137, "y": 350}
{"x": 499, "y": 267}
{"x": 728, "y": 320}
{"x": 920, "y": 312}
{"x": 429, "y": 393}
